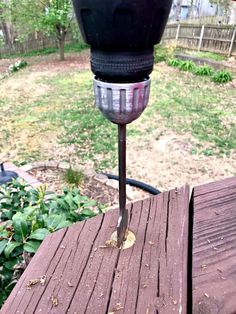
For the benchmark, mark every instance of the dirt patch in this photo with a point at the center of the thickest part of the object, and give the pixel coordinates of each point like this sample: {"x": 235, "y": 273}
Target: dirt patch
{"x": 75, "y": 61}
{"x": 51, "y": 62}
{"x": 26, "y": 87}
{"x": 167, "y": 162}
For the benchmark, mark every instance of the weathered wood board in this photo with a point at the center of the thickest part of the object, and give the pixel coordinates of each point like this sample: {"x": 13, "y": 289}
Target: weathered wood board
{"x": 214, "y": 248}
{"x": 83, "y": 276}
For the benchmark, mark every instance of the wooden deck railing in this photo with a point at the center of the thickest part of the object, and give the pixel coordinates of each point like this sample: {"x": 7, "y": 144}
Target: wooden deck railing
{"x": 183, "y": 260}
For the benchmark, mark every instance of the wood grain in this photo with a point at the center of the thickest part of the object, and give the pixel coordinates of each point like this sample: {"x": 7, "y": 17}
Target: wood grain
{"x": 214, "y": 248}
{"x": 83, "y": 276}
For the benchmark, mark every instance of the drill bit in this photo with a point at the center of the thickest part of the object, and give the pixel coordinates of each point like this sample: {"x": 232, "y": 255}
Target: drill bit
{"x": 123, "y": 215}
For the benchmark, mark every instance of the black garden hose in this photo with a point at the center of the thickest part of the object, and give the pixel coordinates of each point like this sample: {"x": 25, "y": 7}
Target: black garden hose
{"x": 146, "y": 187}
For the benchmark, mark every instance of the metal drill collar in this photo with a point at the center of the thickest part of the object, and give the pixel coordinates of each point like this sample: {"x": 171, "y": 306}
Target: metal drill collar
{"x": 122, "y": 103}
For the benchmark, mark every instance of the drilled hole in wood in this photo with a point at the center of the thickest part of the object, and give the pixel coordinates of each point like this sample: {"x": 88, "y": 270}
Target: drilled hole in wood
{"x": 128, "y": 243}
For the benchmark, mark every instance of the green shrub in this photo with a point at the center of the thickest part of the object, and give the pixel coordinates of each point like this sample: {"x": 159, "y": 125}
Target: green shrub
{"x": 174, "y": 62}
{"x": 159, "y": 54}
{"x": 74, "y": 177}
{"x": 20, "y": 64}
{"x": 164, "y": 53}
{"x": 27, "y": 216}
{"x": 187, "y": 66}
{"x": 204, "y": 70}
{"x": 222, "y": 77}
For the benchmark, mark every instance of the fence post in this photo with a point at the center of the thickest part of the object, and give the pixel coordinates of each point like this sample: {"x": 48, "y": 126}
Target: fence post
{"x": 201, "y": 37}
{"x": 177, "y": 32}
{"x": 232, "y": 42}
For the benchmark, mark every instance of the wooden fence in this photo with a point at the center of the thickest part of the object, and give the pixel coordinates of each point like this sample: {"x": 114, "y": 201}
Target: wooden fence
{"x": 33, "y": 43}
{"x": 214, "y": 38}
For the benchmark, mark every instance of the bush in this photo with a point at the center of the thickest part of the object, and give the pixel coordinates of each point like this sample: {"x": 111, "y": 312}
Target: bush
{"x": 74, "y": 177}
{"x": 204, "y": 70}
{"x": 159, "y": 54}
{"x": 20, "y": 64}
{"x": 187, "y": 66}
{"x": 162, "y": 53}
{"x": 222, "y": 77}
{"x": 27, "y": 216}
{"x": 174, "y": 63}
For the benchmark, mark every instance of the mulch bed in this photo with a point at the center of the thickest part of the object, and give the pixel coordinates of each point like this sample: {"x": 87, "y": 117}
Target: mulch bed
{"x": 103, "y": 194}
{"x": 54, "y": 179}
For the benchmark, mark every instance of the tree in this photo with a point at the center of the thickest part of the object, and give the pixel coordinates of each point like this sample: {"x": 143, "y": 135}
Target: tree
{"x": 6, "y": 27}
{"x": 56, "y": 19}
{"x": 178, "y": 10}
{"x": 51, "y": 17}
{"x": 221, "y": 4}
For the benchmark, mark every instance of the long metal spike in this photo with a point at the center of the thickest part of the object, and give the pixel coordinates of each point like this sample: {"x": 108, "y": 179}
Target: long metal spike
{"x": 123, "y": 216}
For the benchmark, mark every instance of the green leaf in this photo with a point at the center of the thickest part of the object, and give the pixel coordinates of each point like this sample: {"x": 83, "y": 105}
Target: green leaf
{"x": 11, "y": 246}
{"x": 55, "y": 222}
{"x": 31, "y": 246}
{"x": 20, "y": 227}
{"x": 90, "y": 203}
{"x": 3, "y": 244}
{"x": 11, "y": 264}
{"x": 69, "y": 201}
{"x": 63, "y": 224}
{"x": 39, "y": 234}
{"x": 88, "y": 212}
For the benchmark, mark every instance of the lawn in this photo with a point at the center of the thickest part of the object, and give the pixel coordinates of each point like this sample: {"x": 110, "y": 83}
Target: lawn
{"x": 188, "y": 132}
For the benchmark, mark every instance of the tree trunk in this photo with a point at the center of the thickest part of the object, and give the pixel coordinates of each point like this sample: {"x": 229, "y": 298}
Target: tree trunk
{"x": 62, "y": 49}
{"x": 178, "y": 10}
{"x": 61, "y": 39}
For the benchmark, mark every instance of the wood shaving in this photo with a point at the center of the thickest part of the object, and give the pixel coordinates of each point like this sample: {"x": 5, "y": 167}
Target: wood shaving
{"x": 70, "y": 284}
{"x": 206, "y": 295}
{"x": 203, "y": 266}
{"x": 148, "y": 311}
{"x": 118, "y": 307}
{"x": 33, "y": 282}
{"x": 174, "y": 302}
{"x": 151, "y": 243}
{"x": 111, "y": 243}
{"x": 54, "y": 301}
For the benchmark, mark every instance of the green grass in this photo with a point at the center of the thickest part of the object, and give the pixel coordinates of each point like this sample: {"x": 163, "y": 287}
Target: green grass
{"x": 207, "y": 55}
{"x": 193, "y": 104}
{"x": 83, "y": 125}
{"x": 64, "y": 114}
